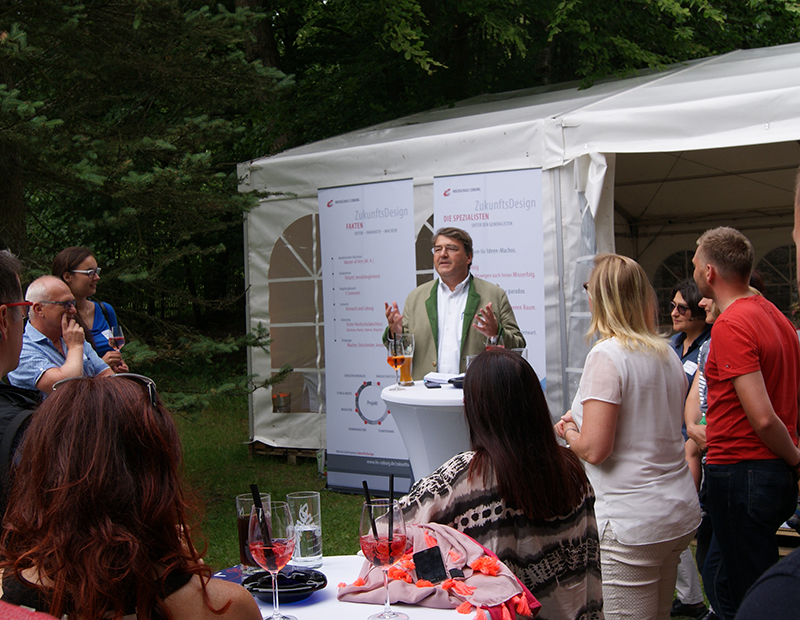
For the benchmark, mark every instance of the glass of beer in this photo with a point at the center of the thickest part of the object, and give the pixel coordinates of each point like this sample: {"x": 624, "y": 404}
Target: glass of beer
{"x": 395, "y": 357}
{"x": 408, "y": 350}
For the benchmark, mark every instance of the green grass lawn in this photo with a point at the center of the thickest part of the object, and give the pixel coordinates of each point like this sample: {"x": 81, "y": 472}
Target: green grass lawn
{"x": 218, "y": 466}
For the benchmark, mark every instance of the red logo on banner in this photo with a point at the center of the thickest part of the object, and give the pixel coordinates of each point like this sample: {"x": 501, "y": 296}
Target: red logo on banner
{"x": 330, "y": 203}
{"x": 447, "y": 192}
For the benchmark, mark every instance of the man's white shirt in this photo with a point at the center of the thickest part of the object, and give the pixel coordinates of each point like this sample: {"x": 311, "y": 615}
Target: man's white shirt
{"x": 450, "y": 309}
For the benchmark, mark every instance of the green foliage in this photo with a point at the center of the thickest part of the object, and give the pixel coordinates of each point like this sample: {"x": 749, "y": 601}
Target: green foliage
{"x": 218, "y": 465}
{"x": 360, "y": 62}
{"x": 198, "y": 368}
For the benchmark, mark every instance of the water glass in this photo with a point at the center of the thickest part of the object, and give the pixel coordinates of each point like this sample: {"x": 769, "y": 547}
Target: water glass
{"x": 306, "y": 509}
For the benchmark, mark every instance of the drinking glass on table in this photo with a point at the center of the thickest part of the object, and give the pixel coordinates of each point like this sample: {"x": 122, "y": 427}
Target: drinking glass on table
{"x": 271, "y": 541}
{"x": 305, "y": 506}
{"x": 396, "y": 357}
{"x": 244, "y": 504}
{"x": 408, "y": 351}
{"x": 117, "y": 338}
{"x": 382, "y": 534}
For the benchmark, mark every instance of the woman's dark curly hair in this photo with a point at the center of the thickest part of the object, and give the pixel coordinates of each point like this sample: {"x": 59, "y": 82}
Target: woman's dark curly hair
{"x": 97, "y": 507}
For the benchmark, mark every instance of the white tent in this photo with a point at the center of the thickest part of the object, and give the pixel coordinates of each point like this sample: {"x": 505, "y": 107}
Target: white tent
{"x": 640, "y": 165}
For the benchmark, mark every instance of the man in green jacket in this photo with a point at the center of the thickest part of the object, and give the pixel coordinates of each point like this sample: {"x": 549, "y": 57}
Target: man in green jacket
{"x": 455, "y": 315}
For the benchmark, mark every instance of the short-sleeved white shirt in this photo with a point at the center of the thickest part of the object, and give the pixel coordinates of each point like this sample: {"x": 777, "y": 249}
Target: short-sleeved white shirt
{"x": 645, "y": 491}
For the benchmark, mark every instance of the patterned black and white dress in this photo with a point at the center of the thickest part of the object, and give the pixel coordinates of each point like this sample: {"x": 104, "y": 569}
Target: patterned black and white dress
{"x": 558, "y": 559}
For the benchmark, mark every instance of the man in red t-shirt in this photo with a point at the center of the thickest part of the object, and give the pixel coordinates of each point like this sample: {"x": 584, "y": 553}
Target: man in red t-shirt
{"x": 753, "y": 378}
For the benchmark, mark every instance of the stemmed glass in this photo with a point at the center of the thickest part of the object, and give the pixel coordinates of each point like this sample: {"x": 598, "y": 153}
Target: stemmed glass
{"x": 270, "y": 536}
{"x": 117, "y": 339}
{"x": 382, "y": 534}
{"x": 396, "y": 357}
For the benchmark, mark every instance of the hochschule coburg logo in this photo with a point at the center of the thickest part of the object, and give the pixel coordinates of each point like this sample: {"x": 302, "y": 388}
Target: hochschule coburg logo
{"x": 447, "y": 192}
{"x": 330, "y": 203}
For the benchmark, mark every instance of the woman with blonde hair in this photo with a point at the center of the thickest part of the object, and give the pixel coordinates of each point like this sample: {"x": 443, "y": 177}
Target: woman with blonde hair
{"x": 625, "y": 423}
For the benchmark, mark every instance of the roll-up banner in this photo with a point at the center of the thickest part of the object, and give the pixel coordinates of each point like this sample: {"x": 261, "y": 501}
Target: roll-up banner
{"x": 367, "y": 245}
{"x": 502, "y": 212}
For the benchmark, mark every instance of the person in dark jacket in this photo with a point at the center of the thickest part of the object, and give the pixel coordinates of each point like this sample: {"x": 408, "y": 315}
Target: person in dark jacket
{"x": 16, "y": 404}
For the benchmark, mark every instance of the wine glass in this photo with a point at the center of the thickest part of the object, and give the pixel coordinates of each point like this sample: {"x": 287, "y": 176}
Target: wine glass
{"x": 117, "y": 338}
{"x": 382, "y": 534}
{"x": 396, "y": 357}
{"x": 270, "y": 536}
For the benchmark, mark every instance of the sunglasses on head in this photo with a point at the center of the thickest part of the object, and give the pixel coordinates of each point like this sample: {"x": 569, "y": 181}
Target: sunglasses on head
{"x": 146, "y": 382}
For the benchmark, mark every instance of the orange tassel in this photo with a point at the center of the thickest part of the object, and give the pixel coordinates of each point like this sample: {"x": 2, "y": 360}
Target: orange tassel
{"x": 521, "y": 603}
{"x": 459, "y": 587}
{"x": 480, "y": 615}
{"x": 506, "y": 615}
{"x": 399, "y": 574}
{"x": 464, "y": 608}
{"x": 454, "y": 556}
{"x": 430, "y": 540}
{"x": 447, "y": 584}
{"x": 359, "y": 582}
{"x": 407, "y": 564}
{"x": 486, "y": 565}
{"x": 342, "y": 585}
{"x": 424, "y": 583}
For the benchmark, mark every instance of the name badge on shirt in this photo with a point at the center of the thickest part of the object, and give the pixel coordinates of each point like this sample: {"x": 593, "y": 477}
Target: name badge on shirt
{"x": 689, "y": 367}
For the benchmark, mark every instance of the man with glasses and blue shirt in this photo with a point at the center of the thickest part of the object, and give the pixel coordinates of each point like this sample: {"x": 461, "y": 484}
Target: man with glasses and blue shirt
{"x": 455, "y": 315}
{"x": 53, "y": 346}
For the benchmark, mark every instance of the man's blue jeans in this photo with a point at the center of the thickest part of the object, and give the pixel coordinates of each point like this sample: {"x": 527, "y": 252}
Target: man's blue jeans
{"x": 747, "y": 502}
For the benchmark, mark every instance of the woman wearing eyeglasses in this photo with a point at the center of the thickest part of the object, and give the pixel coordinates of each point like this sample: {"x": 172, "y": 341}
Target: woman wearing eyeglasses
{"x": 98, "y": 524}
{"x": 78, "y": 268}
{"x": 625, "y": 423}
{"x": 691, "y": 332}
{"x": 689, "y": 323}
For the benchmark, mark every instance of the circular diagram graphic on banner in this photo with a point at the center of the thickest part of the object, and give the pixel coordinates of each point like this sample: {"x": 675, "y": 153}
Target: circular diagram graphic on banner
{"x": 370, "y": 408}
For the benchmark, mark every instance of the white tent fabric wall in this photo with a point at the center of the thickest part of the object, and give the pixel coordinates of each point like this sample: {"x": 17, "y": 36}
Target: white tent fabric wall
{"x": 743, "y": 98}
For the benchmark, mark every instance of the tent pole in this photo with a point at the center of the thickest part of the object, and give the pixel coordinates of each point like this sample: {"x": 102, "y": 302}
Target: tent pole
{"x": 562, "y": 305}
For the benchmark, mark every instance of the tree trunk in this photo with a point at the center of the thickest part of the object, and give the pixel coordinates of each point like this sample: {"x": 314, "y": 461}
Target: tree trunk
{"x": 264, "y": 47}
{"x": 13, "y": 227}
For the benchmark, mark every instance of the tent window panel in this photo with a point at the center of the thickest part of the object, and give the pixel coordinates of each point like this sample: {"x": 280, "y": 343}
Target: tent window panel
{"x": 293, "y": 302}
{"x": 424, "y": 256}
{"x": 295, "y": 345}
{"x": 778, "y": 269}
{"x": 303, "y": 396}
{"x": 675, "y": 268}
{"x": 293, "y": 255}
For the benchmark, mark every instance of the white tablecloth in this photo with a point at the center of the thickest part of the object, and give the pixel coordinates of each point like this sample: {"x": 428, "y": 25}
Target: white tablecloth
{"x": 431, "y": 422}
{"x": 322, "y": 605}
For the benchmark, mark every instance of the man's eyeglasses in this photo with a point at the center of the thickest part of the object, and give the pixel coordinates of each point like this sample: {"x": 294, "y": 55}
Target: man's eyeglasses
{"x": 146, "y": 382}
{"x": 70, "y": 303}
{"x": 682, "y": 309}
{"x": 87, "y": 272}
{"x": 451, "y": 249}
{"x": 24, "y": 305}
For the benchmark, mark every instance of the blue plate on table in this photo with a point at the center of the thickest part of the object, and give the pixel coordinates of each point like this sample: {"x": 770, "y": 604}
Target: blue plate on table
{"x": 294, "y": 584}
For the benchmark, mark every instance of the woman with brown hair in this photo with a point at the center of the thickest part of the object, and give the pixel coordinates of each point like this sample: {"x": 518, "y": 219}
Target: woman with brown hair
{"x": 625, "y": 423}
{"x": 518, "y": 492}
{"x": 77, "y": 267}
{"x": 97, "y": 520}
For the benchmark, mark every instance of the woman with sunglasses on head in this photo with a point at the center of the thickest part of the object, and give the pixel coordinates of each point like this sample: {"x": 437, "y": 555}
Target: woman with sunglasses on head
{"x": 625, "y": 423}
{"x": 97, "y": 525}
{"x": 78, "y": 268}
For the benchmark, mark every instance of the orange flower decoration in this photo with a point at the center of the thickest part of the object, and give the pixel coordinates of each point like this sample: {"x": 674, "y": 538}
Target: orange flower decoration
{"x": 486, "y": 565}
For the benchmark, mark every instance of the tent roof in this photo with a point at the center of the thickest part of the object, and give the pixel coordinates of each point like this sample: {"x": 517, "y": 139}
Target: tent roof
{"x": 743, "y": 97}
